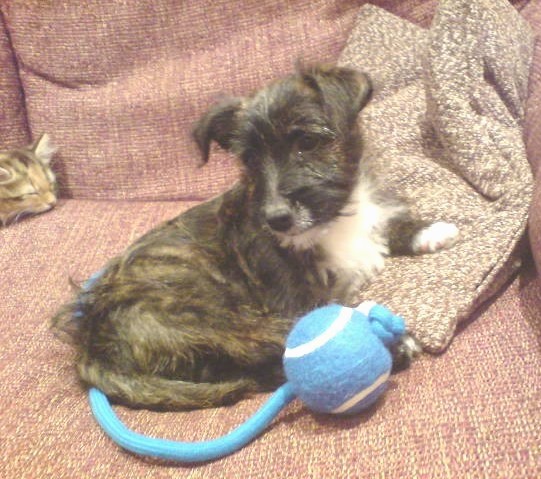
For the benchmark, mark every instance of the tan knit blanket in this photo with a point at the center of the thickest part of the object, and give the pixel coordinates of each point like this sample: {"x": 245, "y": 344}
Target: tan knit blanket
{"x": 444, "y": 130}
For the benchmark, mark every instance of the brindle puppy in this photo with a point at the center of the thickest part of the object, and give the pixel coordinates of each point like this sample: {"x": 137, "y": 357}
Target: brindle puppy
{"x": 195, "y": 313}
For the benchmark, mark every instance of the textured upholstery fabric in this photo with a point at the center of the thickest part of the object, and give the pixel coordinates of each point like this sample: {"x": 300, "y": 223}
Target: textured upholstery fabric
{"x": 471, "y": 412}
{"x": 117, "y": 83}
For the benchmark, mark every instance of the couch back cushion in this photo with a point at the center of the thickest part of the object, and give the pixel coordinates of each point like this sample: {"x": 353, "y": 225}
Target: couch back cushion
{"x": 118, "y": 85}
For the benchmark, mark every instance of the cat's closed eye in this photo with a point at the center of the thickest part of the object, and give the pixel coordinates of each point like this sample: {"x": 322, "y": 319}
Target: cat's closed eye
{"x": 28, "y": 195}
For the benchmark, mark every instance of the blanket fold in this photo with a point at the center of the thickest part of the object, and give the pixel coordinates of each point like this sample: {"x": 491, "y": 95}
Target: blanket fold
{"x": 444, "y": 130}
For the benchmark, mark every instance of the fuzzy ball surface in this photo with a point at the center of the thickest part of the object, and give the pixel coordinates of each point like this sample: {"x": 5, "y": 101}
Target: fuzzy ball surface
{"x": 334, "y": 361}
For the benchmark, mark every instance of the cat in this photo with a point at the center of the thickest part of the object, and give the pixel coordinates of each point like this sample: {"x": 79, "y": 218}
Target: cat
{"x": 27, "y": 182}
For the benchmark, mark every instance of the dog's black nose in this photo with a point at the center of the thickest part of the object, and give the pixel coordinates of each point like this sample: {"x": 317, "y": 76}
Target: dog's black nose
{"x": 279, "y": 219}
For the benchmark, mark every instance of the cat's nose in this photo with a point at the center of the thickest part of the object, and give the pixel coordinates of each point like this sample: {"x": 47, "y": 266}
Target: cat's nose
{"x": 51, "y": 200}
{"x": 279, "y": 219}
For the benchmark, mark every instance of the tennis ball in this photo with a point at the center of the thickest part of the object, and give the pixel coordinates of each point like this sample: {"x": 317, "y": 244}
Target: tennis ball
{"x": 335, "y": 360}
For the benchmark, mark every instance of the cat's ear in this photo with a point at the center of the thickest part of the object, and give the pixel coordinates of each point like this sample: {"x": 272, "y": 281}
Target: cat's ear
{"x": 44, "y": 149}
{"x": 5, "y": 176}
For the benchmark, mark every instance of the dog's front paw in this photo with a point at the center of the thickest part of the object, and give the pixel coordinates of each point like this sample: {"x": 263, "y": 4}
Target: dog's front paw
{"x": 404, "y": 352}
{"x": 435, "y": 237}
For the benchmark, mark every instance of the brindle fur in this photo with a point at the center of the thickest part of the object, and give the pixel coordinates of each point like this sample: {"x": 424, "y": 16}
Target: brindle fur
{"x": 195, "y": 313}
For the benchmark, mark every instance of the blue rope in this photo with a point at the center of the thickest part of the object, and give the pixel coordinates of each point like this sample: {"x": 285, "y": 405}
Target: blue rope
{"x": 188, "y": 451}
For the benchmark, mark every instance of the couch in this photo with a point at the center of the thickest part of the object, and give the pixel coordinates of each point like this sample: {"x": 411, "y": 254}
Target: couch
{"x": 118, "y": 85}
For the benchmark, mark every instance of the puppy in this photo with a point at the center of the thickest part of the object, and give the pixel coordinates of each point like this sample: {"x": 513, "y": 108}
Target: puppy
{"x": 195, "y": 313}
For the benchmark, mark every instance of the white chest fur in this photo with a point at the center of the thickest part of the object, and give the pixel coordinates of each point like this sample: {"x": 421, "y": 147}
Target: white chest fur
{"x": 354, "y": 245}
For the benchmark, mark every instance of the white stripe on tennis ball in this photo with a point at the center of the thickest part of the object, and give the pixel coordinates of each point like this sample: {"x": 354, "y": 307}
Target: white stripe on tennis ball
{"x": 362, "y": 394}
{"x": 365, "y": 307}
{"x": 336, "y": 326}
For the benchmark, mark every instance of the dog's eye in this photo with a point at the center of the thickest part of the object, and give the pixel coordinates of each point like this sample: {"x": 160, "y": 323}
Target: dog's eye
{"x": 307, "y": 142}
{"x": 249, "y": 157}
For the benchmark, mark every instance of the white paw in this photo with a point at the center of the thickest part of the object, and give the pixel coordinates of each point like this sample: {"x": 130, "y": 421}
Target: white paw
{"x": 405, "y": 351}
{"x": 435, "y": 237}
{"x": 411, "y": 346}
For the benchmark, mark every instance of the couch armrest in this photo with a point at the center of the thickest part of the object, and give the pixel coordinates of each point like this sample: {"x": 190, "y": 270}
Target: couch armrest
{"x": 535, "y": 223}
{"x": 532, "y": 128}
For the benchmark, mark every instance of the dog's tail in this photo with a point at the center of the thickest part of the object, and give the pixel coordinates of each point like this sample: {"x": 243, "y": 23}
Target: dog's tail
{"x": 155, "y": 392}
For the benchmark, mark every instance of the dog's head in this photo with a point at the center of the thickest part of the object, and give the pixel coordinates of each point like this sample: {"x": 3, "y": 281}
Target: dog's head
{"x": 298, "y": 142}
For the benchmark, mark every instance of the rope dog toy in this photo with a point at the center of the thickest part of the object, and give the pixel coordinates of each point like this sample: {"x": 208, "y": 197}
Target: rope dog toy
{"x": 336, "y": 361}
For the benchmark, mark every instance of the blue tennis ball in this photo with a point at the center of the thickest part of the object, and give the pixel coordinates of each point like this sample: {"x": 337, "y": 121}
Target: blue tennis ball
{"x": 334, "y": 361}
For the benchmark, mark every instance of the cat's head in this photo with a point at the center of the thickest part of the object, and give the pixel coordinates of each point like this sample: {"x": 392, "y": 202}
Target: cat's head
{"x": 27, "y": 183}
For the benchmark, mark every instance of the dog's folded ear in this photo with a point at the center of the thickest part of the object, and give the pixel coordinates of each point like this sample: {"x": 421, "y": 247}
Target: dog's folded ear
{"x": 343, "y": 90}
{"x": 218, "y": 125}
